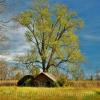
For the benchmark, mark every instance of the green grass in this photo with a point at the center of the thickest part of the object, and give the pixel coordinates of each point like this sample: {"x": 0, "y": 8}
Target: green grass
{"x": 29, "y": 93}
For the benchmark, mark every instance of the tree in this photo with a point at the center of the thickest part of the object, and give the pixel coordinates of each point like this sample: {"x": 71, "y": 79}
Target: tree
{"x": 9, "y": 72}
{"x": 52, "y": 34}
{"x": 97, "y": 75}
{"x": 62, "y": 79}
{"x": 76, "y": 72}
{"x": 3, "y": 70}
{"x": 17, "y": 76}
{"x": 27, "y": 62}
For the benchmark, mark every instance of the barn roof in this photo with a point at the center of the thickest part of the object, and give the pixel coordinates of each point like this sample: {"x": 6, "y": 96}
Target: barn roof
{"x": 50, "y": 76}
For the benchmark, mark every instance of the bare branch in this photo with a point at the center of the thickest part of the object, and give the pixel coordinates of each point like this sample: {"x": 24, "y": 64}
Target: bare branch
{"x": 37, "y": 43}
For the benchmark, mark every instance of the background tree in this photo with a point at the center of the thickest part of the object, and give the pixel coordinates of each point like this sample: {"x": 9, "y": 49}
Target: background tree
{"x": 51, "y": 34}
{"x": 9, "y": 72}
{"x": 76, "y": 72}
{"x": 3, "y": 70}
{"x": 97, "y": 75}
{"x": 27, "y": 62}
{"x": 17, "y": 76}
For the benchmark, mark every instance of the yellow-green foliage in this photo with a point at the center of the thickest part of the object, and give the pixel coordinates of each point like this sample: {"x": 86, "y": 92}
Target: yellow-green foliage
{"x": 52, "y": 33}
{"x": 27, "y": 93}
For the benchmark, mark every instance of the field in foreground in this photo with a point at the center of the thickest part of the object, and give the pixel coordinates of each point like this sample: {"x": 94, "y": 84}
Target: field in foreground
{"x": 29, "y": 93}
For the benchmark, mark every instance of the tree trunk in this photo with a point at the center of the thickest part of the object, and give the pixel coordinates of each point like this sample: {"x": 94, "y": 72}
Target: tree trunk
{"x": 43, "y": 65}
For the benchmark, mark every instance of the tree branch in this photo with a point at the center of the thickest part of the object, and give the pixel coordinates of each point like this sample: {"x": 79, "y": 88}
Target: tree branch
{"x": 37, "y": 43}
{"x": 31, "y": 62}
{"x": 66, "y": 60}
{"x": 43, "y": 52}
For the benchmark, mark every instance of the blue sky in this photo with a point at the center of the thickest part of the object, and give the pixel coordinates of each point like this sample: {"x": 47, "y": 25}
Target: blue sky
{"x": 89, "y": 36}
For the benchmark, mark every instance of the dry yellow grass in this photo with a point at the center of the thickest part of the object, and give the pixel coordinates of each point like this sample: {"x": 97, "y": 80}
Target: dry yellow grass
{"x": 8, "y": 82}
{"x": 78, "y": 84}
{"x": 29, "y": 93}
{"x": 75, "y": 90}
{"x": 83, "y": 84}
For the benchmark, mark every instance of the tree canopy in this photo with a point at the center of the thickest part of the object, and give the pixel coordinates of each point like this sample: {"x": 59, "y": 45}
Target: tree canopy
{"x": 51, "y": 34}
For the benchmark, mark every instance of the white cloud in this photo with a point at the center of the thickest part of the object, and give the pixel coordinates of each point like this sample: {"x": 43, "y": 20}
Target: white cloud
{"x": 10, "y": 57}
{"x": 17, "y": 42}
{"x": 6, "y": 57}
{"x": 92, "y": 38}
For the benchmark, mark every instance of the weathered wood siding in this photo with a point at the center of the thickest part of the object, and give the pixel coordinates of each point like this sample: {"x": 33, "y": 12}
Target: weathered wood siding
{"x": 42, "y": 80}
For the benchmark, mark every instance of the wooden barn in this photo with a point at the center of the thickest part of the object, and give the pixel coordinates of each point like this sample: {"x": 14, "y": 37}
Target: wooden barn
{"x": 41, "y": 80}
{"x": 44, "y": 79}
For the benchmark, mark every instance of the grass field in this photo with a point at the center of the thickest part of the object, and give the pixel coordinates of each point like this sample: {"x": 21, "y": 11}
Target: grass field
{"x": 29, "y": 93}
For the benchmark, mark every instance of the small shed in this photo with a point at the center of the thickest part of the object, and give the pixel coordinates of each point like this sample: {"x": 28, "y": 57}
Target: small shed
{"x": 27, "y": 80}
{"x": 44, "y": 79}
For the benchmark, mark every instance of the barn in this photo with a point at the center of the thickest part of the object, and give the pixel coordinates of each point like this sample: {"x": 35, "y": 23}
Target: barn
{"x": 41, "y": 80}
{"x": 44, "y": 79}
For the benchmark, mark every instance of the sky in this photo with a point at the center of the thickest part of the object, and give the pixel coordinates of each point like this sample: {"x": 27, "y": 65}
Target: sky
{"x": 89, "y": 36}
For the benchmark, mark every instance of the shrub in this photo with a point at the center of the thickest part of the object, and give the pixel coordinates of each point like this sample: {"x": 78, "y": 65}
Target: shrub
{"x": 62, "y": 80}
{"x": 53, "y": 84}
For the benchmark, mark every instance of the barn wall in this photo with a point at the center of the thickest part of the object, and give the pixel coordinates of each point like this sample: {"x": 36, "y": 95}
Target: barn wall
{"x": 42, "y": 80}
